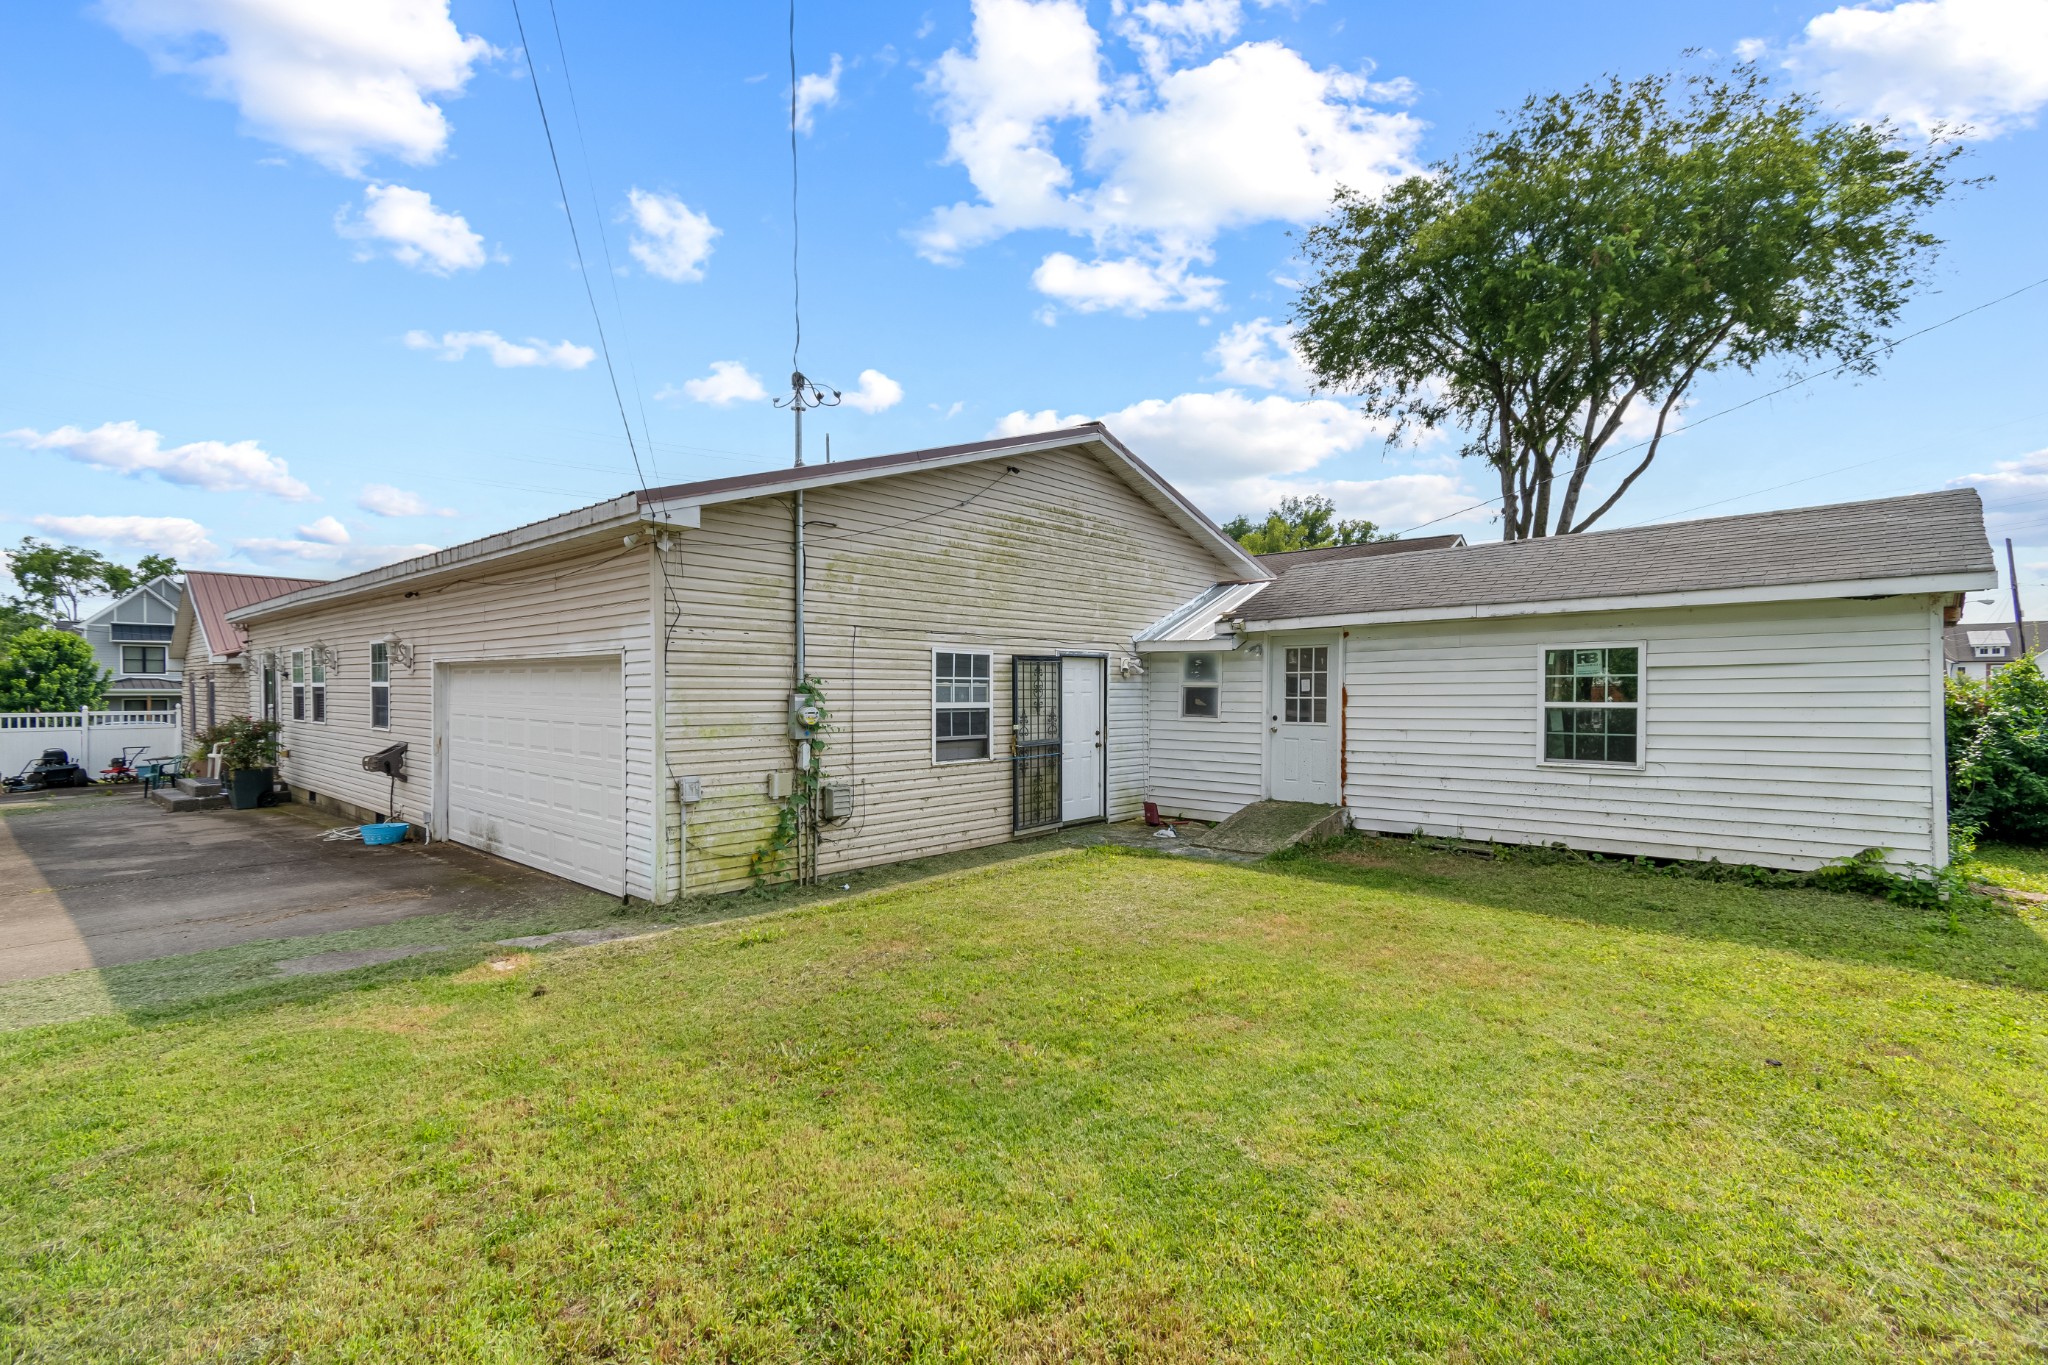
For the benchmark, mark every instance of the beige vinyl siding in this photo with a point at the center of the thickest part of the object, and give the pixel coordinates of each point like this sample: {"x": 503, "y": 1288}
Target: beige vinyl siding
{"x": 1783, "y": 734}
{"x": 231, "y": 688}
{"x": 1060, "y": 557}
{"x": 595, "y": 602}
{"x": 1204, "y": 768}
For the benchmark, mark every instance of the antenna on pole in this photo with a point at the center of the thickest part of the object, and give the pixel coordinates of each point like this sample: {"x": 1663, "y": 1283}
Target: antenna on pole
{"x": 802, "y": 392}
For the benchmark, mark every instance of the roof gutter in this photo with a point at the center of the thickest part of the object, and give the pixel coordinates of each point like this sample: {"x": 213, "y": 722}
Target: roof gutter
{"x": 1710, "y": 597}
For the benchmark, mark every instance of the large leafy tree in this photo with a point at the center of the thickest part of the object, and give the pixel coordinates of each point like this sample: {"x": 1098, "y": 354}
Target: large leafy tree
{"x": 1304, "y": 523}
{"x": 1590, "y": 261}
{"x": 54, "y": 576}
{"x": 50, "y": 670}
{"x": 119, "y": 578}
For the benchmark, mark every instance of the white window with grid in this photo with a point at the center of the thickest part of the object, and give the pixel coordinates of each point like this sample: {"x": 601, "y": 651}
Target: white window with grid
{"x": 961, "y": 707}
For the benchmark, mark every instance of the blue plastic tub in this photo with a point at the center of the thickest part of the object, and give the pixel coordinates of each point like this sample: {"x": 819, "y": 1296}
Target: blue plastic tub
{"x": 385, "y": 834}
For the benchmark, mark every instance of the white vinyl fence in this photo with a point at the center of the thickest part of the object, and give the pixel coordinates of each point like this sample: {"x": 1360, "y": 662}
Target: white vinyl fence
{"x": 92, "y": 738}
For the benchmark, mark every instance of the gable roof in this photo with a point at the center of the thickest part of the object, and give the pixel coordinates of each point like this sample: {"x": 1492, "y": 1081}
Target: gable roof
{"x": 1142, "y": 478}
{"x": 679, "y": 504}
{"x": 1285, "y": 561}
{"x": 164, "y": 588}
{"x": 1887, "y": 545}
{"x": 209, "y": 597}
{"x": 1960, "y": 642}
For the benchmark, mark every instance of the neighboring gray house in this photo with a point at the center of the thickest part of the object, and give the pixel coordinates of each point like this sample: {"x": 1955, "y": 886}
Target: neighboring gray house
{"x": 1979, "y": 649}
{"x": 131, "y": 638}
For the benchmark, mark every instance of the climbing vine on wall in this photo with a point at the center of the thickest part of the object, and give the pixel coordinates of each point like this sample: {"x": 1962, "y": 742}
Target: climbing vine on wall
{"x": 803, "y": 793}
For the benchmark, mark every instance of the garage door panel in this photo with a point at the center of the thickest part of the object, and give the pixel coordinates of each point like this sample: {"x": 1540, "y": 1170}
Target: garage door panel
{"x": 536, "y": 765}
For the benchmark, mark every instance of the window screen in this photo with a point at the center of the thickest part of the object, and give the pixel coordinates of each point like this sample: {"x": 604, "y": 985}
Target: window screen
{"x": 960, "y": 705}
{"x": 1592, "y": 704}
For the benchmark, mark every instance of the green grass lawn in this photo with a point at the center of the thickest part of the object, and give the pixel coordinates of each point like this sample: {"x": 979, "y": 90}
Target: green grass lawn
{"x": 1379, "y": 1103}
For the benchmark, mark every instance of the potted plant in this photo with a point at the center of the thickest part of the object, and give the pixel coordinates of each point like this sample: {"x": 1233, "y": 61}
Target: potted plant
{"x": 248, "y": 758}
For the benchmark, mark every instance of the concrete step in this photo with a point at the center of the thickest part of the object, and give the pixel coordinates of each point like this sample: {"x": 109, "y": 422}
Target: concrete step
{"x": 199, "y": 786}
{"x": 1269, "y": 826}
{"x": 178, "y": 802}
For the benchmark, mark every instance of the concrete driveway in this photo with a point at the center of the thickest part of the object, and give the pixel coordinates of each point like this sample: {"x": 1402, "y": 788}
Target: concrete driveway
{"x": 102, "y": 878}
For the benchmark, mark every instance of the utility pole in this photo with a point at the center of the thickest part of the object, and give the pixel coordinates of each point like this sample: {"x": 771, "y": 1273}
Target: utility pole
{"x": 2012, "y": 574}
{"x": 802, "y": 394}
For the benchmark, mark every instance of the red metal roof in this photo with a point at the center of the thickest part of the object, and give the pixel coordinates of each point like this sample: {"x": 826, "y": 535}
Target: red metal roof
{"x": 214, "y": 595}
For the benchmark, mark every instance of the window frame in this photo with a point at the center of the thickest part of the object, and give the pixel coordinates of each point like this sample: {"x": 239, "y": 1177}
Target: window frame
{"x": 1641, "y": 706}
{"x": 298, "y": 680}
{"x": 163, "y": 659}
{"x": 1214, "y": 686}
{"x": 987, "y": 707}
{"x": 380, "y": 659}
{"x": 316, "y": 687}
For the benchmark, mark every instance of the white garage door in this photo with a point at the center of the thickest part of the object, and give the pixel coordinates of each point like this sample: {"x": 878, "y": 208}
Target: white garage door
{"x": 536, "y": 765}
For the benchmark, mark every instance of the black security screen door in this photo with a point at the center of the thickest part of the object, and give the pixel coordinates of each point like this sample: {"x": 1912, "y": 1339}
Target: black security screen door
{"x": 1035, "y": 742}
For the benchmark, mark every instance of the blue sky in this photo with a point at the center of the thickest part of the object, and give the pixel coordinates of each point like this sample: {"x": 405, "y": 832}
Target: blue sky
{"x": 290, "y": 287}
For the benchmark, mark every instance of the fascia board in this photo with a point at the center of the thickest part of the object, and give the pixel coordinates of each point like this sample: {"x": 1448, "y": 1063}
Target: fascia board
{"x": 616, "y": 514}
{"x": 1715, "y": 597}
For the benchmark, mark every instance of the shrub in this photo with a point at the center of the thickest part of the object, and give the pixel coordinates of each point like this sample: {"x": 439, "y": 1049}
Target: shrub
{"x": 246, "y": 743}
{"x": 1998, "y": 753}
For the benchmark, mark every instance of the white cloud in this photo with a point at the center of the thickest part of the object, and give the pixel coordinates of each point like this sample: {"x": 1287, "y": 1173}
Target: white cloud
{"x": 1261, "y": 353}
{"x": 180, "y": 537}
{"x": 1163, "y": 32}
{"x": 876, "y": 392}
{"x": 506, "y": 355}
{"x": 729, "y": 382}
{"x": 312, "y": 549}
{"x": 1978, "y": 63}
{"x": 1175, "y": 157}
{"x": 222, "y": 466}
{"x": 815, "y": 91}
{"x": 337, "y": 82}
{"x": 2010, "y": 478}
{"x": 1233, "y": 453}
{"x": 2015, "y": 496}
{"x": 414, "y": 231}
{"x": 326, "y": 530}
{"x": 1128, "y": 284}
{"x": 381, "y": 499}
{"x": 671, "y": 240}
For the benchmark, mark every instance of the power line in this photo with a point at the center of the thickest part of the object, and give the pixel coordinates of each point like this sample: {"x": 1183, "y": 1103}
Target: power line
{"x": 581, "y": 267}
{"x": 604, "y": 240}
{"x": 1885, "y": 346}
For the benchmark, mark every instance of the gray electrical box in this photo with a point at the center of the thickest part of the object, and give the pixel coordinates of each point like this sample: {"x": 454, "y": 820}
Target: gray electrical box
{"x": 835, "y": 802}
{"x": 690, "y": 790}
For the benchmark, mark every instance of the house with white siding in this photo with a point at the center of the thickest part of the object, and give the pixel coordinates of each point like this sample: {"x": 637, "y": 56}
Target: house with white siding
{"x": 816, "y": 669}
{"x": 208, "y": 650}
{"x": 610, "y": 694}
{"x": 1756, "y": 689}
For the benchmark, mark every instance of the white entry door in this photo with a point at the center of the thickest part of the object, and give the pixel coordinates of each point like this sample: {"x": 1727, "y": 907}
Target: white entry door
{"x": 535, "y": 758}
{"x": 1304, "y": 720}
{"x": 1081, "y": 739}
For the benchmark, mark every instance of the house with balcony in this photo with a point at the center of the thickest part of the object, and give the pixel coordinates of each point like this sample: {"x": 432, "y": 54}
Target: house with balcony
{"x": 131, "y": 639}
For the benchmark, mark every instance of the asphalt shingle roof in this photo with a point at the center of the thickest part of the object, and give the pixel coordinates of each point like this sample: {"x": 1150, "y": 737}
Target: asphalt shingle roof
{"x": 1926, "y": 533}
